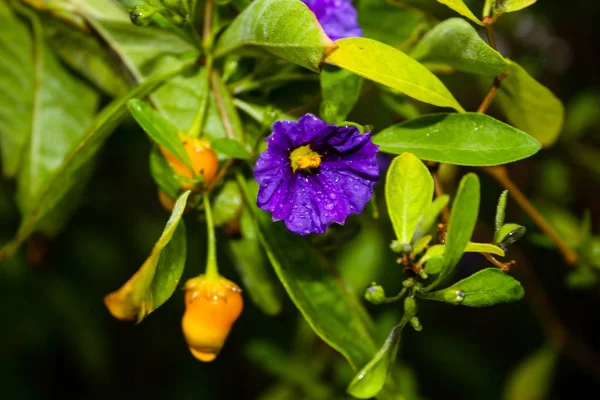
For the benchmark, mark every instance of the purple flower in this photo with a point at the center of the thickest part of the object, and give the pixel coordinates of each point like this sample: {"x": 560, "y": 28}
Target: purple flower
{"x": 314, "y": 174}
{"x": 337, "y": 17}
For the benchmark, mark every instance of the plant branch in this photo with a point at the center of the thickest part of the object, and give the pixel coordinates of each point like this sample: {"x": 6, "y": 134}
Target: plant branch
{"x": 489, "y": 97}
{"x": 500, "y": 174}
{"x": 207, "y": 37}
{"x": 212, "y": 271}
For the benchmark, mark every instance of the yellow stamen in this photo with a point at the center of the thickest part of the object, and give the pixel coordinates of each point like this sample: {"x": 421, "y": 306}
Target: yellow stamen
{"x": 304, "y": 158}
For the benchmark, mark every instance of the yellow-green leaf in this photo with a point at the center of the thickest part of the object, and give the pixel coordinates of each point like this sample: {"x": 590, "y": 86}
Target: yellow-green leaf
{"x": 530, "y": 106}
{"x": 391, "y": 67}
{"x": 462, "y": 9}
{"x": 504, "y": 6}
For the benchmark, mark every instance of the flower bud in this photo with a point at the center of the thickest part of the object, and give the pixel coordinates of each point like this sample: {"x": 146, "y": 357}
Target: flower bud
{"x": 203, "y": 158}
{"x": 375, "y": 294}
{"x": 211, "y": 308}
{"x": 416, "y": 324}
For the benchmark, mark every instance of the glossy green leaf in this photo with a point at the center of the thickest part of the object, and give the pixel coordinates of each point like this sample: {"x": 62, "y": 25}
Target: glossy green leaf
{"x": 532, "y": 378}
{"x": 455, "y": 42}
{"x": 462, "y": 139}
{"x": 160, "y": 131}
{"x": 79, "y": 158}
{"x": 530, "y": 106}
{"x": 252, "y": 265}
{"x": 391, "y": 67}
{"x": 460, "y": 7}
{"x": 285, "y": 28}
{"x": 369, "y": 381}
{"x": 408, "y": 193}
{"x": 55, "y": 129}
{"x": 17, "y": 84}
{"x": 163, "y": 174}
{"x": 228, "y": 113}
{"x": 429, "y": 217}
{"x": 465, "y": 209}
{"x": 505, "y": 6}
{"x": 227, "y": 204}
{"x": 333, "y": 312}
{"x": 509, "y": 233}
{"x": 484, "y": 288}
{"x": 231, "y": 148}
{"x": 340, "y": 90}
{"x": 154, "y": 283}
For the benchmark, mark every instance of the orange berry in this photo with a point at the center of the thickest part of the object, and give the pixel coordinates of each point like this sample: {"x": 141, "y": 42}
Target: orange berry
{"x": 211, "y": 308}
{"x": 204, "y": 161}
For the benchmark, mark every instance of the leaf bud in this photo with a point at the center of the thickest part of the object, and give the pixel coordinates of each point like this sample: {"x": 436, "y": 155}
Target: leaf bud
{"x": 375, "y": 294}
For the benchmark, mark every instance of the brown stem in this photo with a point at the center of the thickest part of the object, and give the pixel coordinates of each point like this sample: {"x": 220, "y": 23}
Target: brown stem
{"x": 214, "y": 83}
{"x": 489, "y": 21}
{"x": 500, "y": 174}
{"x": 489, "y": 97}
{"x": 503, "y": 266}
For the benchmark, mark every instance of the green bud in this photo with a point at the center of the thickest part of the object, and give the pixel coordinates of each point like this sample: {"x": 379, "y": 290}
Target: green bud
{"x": 410, "y": 306}
{"x": 375, "y": 294}
{"x": 407, "y": 283}
{"x": 142, "y": 15}
{"x": 396, "y": 246}
{"x": 416, "y": 324}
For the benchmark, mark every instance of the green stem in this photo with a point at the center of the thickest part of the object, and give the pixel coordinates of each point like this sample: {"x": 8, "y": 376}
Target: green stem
{"x": 487, "y": 8}
{"x": 396, "y": 297}
{"x": 212, "y": 271}
{"x": 248, "y": 85}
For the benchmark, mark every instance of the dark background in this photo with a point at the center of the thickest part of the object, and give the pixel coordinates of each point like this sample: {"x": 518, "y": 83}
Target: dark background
{"x": 58, "y": 341}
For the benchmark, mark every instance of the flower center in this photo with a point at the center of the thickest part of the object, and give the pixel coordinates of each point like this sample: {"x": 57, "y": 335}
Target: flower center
{"x": 304, "y": 158}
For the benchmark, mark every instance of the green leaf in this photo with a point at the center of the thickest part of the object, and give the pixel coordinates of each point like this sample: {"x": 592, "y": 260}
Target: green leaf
{"x": 500, "y": 212}
{"x": 163, "y": 174}
{"x": 393, "y": 24}
{"x": 17, "y": 85}
{"x": 369, "y": 381}
{"x": 484, "y": 248}
{"x": 87, "y": 55}
{"x": 79, "y": 158}
{"x": 530, "y": 106}
{"x": 462, "y": 9}
{"x": 252, "y": 265}
{"x": 333, "y": 312}
{"x": 455, "y": 42}
{"x": 160, "y": 131}
{"x": 231, "y": 148}
{"x": 484, "y": 288}
{"x": 56, "y": 129}
{"x": 435, "y": 264}
{"x": 340, "y": 90}
{"x": 463, "y": 139}
{"x": 227, "y": 204}
{"x": 429, "y": 217}
{"x": 285, "y": 28}
{"x": 509, "y": 233}
{"x": 408, "y": 193}
{"x": 505, "y": 6}
{"x": 532, "y": 378}
{"x": 154, "y": 283}
{"x": 390, "y": 67}
{"x": 228, "y": 113}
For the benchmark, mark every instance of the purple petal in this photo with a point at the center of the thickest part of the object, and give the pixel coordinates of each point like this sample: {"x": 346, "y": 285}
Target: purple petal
{"x": 337, "y": 17}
